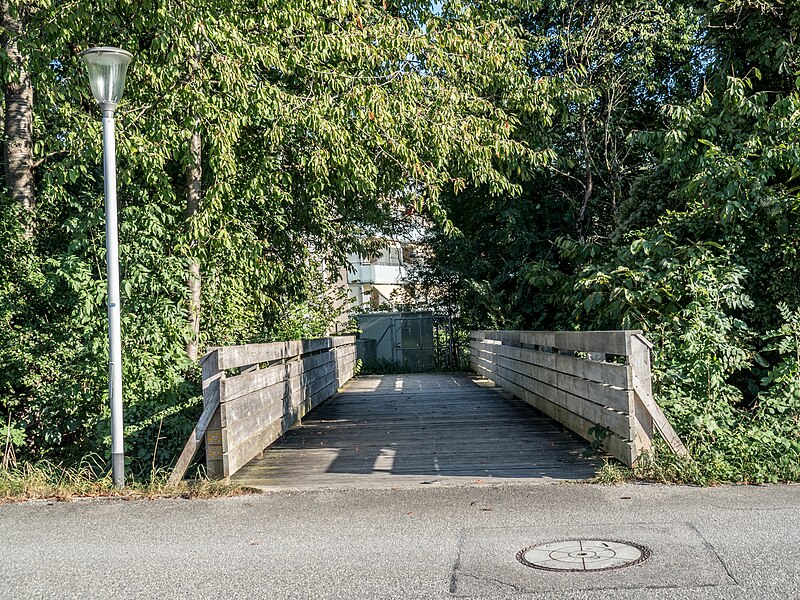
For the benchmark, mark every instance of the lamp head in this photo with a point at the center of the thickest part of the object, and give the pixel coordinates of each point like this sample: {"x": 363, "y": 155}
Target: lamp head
{"x": 107, "y": 68}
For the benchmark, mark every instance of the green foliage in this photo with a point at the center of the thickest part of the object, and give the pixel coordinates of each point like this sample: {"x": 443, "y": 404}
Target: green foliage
{"x": 593, "y": 165}
{"x": 673, "y": 209}
{"x": 383, "y": 366}
{"x": 87, "y": 478}
{"x": 599, "y": 435}
{"x": 613, "y": 473}
{"x": 478, "y": 271}
{"x": 599, "y": 71}
{"x": 320, "y": 121}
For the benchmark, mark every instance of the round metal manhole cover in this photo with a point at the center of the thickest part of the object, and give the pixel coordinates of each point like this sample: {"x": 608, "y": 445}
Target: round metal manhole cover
{"x": 583, "y": 555}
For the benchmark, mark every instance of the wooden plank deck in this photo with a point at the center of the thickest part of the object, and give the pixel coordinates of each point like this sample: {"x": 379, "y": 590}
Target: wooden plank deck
{"x": 407, "y": 430}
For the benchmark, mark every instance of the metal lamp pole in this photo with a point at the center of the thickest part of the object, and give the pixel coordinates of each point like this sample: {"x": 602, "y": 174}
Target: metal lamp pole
{"x": 107, "y": 68}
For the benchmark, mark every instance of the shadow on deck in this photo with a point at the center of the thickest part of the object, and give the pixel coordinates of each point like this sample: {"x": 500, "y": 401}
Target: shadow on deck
{"x": 397, "y": 430}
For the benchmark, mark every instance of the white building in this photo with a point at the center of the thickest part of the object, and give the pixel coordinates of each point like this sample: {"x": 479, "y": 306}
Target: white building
{"x": 378, "y": 282}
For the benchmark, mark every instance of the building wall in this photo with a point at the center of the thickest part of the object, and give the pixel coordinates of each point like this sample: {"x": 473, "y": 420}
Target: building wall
{"x": 373, "y": 281}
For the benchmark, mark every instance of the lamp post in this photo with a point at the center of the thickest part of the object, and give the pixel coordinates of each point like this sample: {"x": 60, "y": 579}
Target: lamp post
{"x": 107, "y": 68}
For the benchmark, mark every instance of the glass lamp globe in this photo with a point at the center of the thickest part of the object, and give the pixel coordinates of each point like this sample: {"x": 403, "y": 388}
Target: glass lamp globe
{"x": 107, "y": 68}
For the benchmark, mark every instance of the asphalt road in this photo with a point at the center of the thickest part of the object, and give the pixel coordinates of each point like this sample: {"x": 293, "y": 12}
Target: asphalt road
{"x": 426, "y": 542}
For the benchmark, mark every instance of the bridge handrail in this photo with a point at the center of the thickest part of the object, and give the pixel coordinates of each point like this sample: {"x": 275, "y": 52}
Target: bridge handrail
{"x": 596, "y": 383}
{"x": 253, "y": 393}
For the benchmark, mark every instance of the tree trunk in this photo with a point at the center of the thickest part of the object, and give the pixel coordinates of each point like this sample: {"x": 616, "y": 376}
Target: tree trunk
{"x": 18, "y": 142}
{"x": 194, "y": 175}
{"x": 588, "y": 183}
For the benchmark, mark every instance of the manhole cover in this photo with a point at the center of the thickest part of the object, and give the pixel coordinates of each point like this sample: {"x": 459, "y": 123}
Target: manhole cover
{"x": 583, "y": 555}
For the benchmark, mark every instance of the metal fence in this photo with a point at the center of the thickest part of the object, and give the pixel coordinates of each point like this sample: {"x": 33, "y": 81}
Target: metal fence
{"x": 404, "y": 338}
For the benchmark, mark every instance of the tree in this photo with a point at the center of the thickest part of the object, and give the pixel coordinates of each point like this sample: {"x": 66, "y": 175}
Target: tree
{"x": 715, "y": 271}
{"x": 255, "y": 142}
{"x": 18, "y": 124}
{"x": 595, "y": 74}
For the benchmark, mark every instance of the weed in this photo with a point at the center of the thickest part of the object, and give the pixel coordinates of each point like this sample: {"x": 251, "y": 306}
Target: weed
{"x": 382, "y": 366}
{"x": 613, "y": 473}
{"x": 47, "y": 480}
{"x": 599, "y": 433}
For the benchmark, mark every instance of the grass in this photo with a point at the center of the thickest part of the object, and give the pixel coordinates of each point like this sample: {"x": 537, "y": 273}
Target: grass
{"x": 661, "y": 466}
{"x": 658, "y": 467}
{"x": 614, "y": 473}
{"x": 45, "y": 480}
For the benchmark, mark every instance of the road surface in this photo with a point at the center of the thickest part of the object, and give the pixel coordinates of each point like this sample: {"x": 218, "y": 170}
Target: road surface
{"x": 432, "y": 541}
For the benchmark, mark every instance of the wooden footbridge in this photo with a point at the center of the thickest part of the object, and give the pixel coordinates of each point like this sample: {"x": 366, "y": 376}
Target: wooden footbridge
{"x": 527, "y": 412}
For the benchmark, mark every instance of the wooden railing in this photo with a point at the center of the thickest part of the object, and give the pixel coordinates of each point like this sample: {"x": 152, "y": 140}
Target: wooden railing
{"x": 596, "y": 383}
{"x": 252, "y": 394}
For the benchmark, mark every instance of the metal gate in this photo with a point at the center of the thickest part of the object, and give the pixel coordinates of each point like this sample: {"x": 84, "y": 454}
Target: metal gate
{"x": 401, "y": 338}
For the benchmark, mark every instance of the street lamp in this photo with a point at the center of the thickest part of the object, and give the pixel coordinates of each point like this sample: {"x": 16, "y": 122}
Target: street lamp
{"x": 107, "y": 68}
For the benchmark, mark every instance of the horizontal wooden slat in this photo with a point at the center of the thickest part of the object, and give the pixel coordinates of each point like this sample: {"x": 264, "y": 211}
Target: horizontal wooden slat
{"x": 592, "y": 391}
{"x": 613, "y": 374}
{"x": 344, "y": 340}
{"x": 620, "y": 448}
{"x": 307, "y": 346}
{"x": 231, "y": 357}
{"x": 608, "y": 342}
{"x": 245, "y": 383}
{"x": 616, "y": 421}
{"x": 251, "y": 447}
{"x": 250, "y": 403}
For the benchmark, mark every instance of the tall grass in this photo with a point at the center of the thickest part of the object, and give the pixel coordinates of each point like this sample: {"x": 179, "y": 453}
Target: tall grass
{"x": 89, "y": 479}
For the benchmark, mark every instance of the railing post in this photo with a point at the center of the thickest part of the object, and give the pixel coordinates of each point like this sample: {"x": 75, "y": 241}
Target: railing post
{"x": 648, "y": 412}
{"x": 212, "y": 379}
{"x": 641, "y": 374}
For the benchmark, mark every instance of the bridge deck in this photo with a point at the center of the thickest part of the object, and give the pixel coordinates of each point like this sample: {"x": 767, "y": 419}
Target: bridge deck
{"x": 396, "y": 430}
